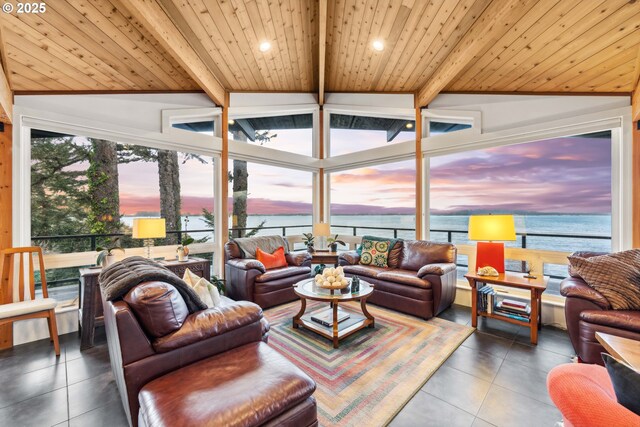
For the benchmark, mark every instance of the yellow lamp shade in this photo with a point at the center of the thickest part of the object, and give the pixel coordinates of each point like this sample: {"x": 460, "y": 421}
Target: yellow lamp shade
{"x": 321, "y": 229}
{"x": 149, "y": 228}
{"x": 492, "y": 227}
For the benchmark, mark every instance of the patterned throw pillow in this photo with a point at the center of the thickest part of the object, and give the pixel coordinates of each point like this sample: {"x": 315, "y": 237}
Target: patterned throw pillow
{"x": 615, "y": 276}
{"x": 375, "y": 253}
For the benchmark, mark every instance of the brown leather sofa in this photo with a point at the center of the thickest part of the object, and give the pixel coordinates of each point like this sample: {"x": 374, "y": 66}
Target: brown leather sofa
{"x": 208, "y": 368}
{"x": 247, "y": 279}
{"x": 587, "y": 312}
{"x": 420, "y": 280}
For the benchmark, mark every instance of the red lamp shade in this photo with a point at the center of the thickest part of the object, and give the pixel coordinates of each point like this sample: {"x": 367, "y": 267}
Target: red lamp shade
{"x": 491, "y": 227}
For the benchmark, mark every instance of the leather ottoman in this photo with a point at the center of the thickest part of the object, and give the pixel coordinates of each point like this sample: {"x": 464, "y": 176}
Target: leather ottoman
{"x": 251, "y": 385}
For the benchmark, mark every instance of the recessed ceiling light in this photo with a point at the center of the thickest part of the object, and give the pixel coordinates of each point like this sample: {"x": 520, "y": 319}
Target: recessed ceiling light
{"x": 378, "y": 45}
{"x": 231, "y": 121}
{"x": 409, "y": 125}
{"x": 265, "y": 46}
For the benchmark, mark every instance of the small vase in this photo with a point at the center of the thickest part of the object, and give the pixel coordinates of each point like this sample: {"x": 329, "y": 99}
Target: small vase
{"x": 182, "y": 255}
{"x": 310, "y": 249}
{"x": 334, "y": 247}
{"x": 108, "y": 260}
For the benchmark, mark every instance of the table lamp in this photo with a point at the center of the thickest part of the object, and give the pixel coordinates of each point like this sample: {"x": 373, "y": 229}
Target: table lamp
{"x": 321, "y": 229}
{"x": 490, "y": 228}
{"x": 149, "y": 229}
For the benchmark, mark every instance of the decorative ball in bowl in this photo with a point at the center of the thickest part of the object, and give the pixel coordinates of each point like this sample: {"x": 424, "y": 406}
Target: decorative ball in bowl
{"x": 332, "y": 278}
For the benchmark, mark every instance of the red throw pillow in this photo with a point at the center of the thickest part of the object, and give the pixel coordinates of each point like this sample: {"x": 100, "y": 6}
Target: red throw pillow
{"x": 274, "y": 260}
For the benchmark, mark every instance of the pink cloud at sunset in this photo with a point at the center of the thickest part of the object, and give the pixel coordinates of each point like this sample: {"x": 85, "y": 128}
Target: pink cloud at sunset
{"x": 567, "y": 175}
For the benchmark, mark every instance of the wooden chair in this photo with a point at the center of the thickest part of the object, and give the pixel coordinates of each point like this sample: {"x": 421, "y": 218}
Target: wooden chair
{"x": 15, "y": 307}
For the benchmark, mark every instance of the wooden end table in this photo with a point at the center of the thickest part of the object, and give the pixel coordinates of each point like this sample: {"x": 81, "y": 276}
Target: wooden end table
{"x": 324, "y": 257}
{"x": 621, "y": 348}
{"x": 307, "y": 290}
{"x": 512, "y": 280}
{"x": 90, "y": 313}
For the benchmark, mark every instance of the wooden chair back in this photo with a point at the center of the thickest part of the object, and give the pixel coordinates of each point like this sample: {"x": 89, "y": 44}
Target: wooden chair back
{"x": 7, "y": 278}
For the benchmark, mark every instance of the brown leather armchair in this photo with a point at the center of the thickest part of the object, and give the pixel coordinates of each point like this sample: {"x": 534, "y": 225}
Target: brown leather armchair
{"x": 587, "y": 312}
{"x": 247, "y": 279}
{"x": 420, "y": 280}
{"x": 164, "y": 358}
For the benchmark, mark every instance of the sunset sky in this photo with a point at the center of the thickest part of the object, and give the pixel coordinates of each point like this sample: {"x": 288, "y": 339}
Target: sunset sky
{"x": 567, "y": 175}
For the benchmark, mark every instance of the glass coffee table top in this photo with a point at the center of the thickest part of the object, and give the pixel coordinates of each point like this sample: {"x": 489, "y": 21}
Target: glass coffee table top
{"x": 308, "y": 289}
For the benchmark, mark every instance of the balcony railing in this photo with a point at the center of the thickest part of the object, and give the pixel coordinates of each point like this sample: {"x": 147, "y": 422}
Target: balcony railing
{"x": 521, "y": 253}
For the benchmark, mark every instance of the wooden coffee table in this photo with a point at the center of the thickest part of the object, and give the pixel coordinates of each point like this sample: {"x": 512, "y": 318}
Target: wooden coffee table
{"x": 335, "y": 331}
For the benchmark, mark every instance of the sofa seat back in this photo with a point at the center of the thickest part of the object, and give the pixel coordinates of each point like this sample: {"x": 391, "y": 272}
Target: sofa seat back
{"x": 418, "y": 253}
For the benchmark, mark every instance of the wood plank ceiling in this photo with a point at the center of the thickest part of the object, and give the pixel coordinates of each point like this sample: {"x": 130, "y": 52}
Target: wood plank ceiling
{"x": 429, "y": 46}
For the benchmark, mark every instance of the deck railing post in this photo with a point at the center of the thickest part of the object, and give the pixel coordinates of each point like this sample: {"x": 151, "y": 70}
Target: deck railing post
{"x": 524, "y": 246}
{"x": 93, "y": 243}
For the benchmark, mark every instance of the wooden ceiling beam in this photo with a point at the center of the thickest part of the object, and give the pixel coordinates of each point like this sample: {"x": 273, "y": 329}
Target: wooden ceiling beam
{"x": 322, "y": 49}
{"x": 497, "y": 18}
{"x": 154, "y": 19}
{"x": 6, "y": 97}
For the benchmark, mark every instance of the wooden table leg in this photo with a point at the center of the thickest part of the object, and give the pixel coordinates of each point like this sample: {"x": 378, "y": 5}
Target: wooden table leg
{"x": 474, "y": 303}
{"x": 88, "y": 321}
{"x": 539, "y": 310}
{"x": 296, "y": 318}
{"x": 363, "y": 305}
{"x": 335, "y": 325}
{"x": 533, "y": 322}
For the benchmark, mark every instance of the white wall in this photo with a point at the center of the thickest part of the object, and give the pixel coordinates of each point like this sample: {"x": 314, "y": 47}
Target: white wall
{"x": 502, "y": 112}
{"x": 139, "y": 111}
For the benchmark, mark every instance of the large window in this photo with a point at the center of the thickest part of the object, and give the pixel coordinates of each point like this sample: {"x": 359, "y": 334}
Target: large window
{"x": 559, "y": 191}
{"x": 269, "y": 200}
{"x": 349, "y": 133}
{"x": 292, "y": 133}
{"x": 85, "y": 193}
{"x": 377, "y": 200}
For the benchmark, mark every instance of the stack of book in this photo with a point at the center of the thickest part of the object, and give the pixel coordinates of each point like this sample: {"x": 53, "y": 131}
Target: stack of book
{"x": 486, "y": 296}
{"x": 515, "y": 309}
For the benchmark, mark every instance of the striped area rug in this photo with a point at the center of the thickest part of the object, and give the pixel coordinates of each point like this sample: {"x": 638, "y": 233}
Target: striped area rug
{"x": 375, "y": 372}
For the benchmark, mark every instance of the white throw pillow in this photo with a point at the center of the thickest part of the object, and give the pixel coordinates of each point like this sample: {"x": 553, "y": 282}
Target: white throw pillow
{"x": 207, "y": 292}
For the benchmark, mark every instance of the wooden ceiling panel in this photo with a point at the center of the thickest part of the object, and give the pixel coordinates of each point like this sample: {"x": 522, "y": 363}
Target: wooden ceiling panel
{"x": 547, "y": 52}
{"x": 544, "y": 46}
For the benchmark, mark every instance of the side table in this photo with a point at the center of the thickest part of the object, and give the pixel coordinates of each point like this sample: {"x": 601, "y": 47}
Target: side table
{"x": 91, "y": 314}
{"x": 324, "y": 257}
{"x": 513, "y": 280}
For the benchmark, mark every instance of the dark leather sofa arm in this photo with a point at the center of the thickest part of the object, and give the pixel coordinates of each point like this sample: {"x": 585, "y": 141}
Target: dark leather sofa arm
{"x": 246, "y": 264}
{"x": 349, "y": 258}
{"x": 437, "y": 269}
{"x": 575, "y": 287}
{"x": 299, "y": 259}
{"x": 210, "y": 323}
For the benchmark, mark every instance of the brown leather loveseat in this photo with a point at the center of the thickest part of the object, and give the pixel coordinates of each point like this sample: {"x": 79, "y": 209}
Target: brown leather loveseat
{"x": 420, "y": 278}
{"x": 587, "y": 311}
{"x": 247, "y": 278}
{"x": 208, "y": 368}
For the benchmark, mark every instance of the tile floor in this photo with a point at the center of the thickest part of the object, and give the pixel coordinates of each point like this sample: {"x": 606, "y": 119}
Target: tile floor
{"x": 494, "y": 378}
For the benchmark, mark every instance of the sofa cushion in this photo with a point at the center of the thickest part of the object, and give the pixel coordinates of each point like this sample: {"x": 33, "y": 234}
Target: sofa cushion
{"x": 158, "y": 306}
{"x": 418, "y": 253}
{"x": 248, "y": 245}
{"x": 363, "y": 270}
{"x": 615, "y": 276}
{"x": 272, "y": 260}
{"x": 210, "y": 323}
{"x": 246, "y": 386}
{"x": 620, "y": 319}
{"x": 281, "y": 273}
{"x": 375, "y": 252}
{"x": 406, "y": 277}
